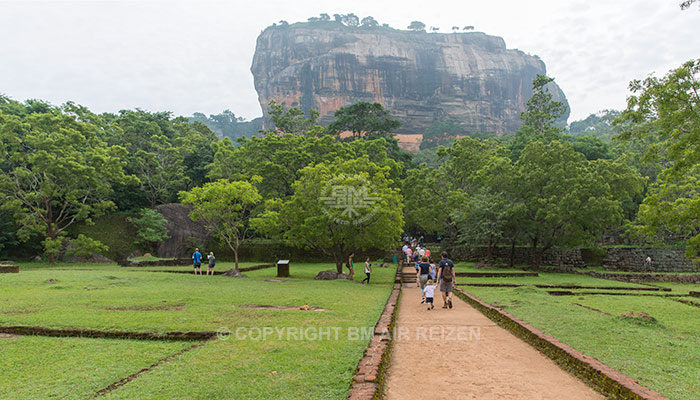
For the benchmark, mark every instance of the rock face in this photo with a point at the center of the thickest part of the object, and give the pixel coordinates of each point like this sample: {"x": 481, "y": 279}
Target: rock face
{"x": 466, "y": 78}
{"x": 182, "y": 232}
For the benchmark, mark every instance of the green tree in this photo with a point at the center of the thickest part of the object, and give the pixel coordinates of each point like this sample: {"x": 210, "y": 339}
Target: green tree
{"x": 566, "y": 200}
{"x": 441, "y": 133}
{"x": 291, "y": 120}
{"x": 425, "y": 197}
{"x": 8, "y": 237}
{"x": 227, "y": 124}
{"x": 368, "y": 120}
{"x": 416, "y": 26}
{"x": 668, "y": 109}
{"x": 316, "y": 217}
{"x": 84, "y": 246}
{"x": 369, "y": 22}
{"x": 351, "y": 20}
{"x": 160, "y": 170}
{"x": 481, "y": 217}
{"x": 685, "y": 4}
{"x": 151, "y": 227}
{"x": 592, "y": 148}
{"x": 58, "y": 171}
{"x": 225, "y": 209}
{"x": 279, "y": 159}
{"x": 600, "y": 125}
{"x": 539, "y": 117}
{"x": 166, "y": 154}
{"x": 464, "y": 169}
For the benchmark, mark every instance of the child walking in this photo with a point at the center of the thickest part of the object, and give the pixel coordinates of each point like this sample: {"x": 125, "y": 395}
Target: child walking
{"x": 429, "y": 294}
{"x": 368, "y": 270}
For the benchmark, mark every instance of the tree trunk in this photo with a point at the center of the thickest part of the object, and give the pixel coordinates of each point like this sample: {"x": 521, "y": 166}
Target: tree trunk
{"x": 489, "y": 249}
{"x": 51, "y": 234}
{"x": 339, "y": 267}
{"x": 512, "y": 254}
{"x": 235, "y": 253}
{"x": 535, "y": 262}
{"x": 338, "y": 263}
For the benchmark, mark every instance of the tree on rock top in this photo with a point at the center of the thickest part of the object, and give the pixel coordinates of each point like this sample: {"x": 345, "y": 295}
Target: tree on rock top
{"x": 417, "y": 26}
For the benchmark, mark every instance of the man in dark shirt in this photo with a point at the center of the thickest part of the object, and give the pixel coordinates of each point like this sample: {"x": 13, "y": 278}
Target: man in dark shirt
{"x": 447, "y": 278}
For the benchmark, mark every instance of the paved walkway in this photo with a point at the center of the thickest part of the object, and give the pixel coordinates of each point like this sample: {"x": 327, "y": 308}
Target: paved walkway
{"x": 461, "y": 354}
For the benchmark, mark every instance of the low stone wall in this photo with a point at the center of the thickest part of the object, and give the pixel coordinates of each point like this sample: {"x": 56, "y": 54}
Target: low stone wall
{"x": 178, "y": 262}
{"x": 522, "y": 255}
{"x": 663, "y": 259}
{"x": 648, "y": 277}
{"x": 368, "y": 382}
{"x": 93, "y": 333}
{"x": 9, "y": 269}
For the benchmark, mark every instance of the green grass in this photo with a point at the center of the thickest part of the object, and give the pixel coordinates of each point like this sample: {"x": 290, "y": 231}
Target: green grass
{"x": 549, "y": 278}
{"x": 661, "y": 352}
{"x": 72, "y": 368}
{"x": 110, "y": 297}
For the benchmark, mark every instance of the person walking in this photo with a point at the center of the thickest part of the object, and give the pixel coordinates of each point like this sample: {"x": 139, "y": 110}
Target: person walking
{"x": 197, "y": 261}
{"x": 409, "y": 254}
{"x": 211, "y": 264}
{"x": 422, "y": 276}
{"x": 647, "y": 263}
{"x": 351, "y": 266}
{"x": 447, "y": 278}
{"x": 430, "y": 294}
{"x": 368, "y": 270}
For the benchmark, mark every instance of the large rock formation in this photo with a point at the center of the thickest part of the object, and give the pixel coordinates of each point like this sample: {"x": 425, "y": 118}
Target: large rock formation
{"x": 183, "y": 233}
{"x": 468, "y": 78}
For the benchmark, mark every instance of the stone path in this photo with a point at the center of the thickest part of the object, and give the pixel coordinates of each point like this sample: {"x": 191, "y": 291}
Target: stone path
{"x": 461, "y": 354}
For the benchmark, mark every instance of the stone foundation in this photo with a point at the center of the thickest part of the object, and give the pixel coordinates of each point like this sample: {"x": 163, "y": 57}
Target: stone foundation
{"x": 522, "y": 255}
{"x": 664, "y": 259}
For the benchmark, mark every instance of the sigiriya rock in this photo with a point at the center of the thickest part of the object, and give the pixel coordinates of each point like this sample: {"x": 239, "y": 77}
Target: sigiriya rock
{"x": 466, "y": 78}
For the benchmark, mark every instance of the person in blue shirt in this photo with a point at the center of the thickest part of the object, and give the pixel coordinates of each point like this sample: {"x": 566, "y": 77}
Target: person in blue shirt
{"x": 197, "y": 258}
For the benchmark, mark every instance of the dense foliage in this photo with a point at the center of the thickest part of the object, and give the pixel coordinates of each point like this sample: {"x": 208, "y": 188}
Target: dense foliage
{"x": 544, "y": 186}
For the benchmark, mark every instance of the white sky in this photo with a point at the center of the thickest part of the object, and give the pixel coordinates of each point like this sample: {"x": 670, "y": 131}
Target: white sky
{"x": 195, "y": 56}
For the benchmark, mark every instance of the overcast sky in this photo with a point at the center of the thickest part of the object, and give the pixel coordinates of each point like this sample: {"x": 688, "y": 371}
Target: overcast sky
{"x": 195, "y": 56}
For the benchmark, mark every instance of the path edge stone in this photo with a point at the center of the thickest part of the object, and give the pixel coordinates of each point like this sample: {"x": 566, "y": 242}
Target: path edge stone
{"x": 606, "y": 380}
{"x": 370, "y": 376}
{"x": 99, "y": 334}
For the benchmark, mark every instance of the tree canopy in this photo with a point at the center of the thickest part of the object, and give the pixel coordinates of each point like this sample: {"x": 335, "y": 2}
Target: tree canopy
{"x": 57, "y": 171}
{"x": 338, "y": 207}
{"x": 225, "y": 208}
{"x": 368, "y": 120}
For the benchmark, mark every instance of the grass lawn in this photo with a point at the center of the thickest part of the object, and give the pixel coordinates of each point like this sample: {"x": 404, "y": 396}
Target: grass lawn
{"x": 72, "y": 368}
{"x": 661, "y": 352}
{"x": 110, "y": 297}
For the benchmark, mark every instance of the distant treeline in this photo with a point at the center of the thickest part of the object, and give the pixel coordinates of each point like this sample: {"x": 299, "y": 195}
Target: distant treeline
{"x": 544, "y": 186}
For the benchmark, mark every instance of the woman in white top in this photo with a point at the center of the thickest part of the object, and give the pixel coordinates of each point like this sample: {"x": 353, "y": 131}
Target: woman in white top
{"x": 368, "y": 270}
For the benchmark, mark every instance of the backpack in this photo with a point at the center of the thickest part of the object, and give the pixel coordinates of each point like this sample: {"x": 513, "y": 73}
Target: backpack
{"x": 446, "y": 277}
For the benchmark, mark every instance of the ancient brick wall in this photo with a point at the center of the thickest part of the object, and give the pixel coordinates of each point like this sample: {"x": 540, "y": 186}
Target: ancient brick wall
{"x": 665, "y": 259}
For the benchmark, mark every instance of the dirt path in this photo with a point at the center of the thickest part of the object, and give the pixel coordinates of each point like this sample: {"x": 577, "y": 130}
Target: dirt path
{"x": 461, "y": 354}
